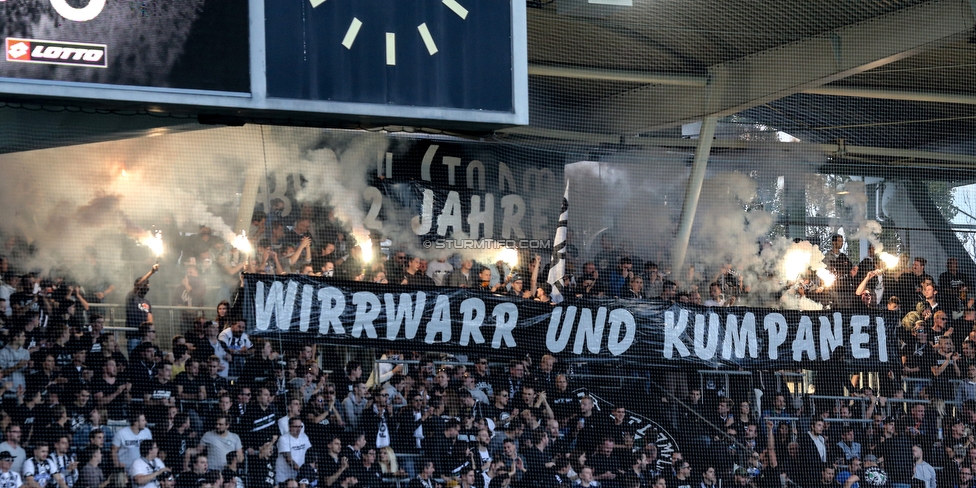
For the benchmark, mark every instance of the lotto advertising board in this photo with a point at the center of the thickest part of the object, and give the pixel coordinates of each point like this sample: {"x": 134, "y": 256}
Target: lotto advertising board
{"x": 383, "y": 62}
{"x": 189, "y": 44}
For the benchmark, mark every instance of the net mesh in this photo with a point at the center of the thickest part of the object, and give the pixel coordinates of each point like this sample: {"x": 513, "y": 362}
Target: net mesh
{"x": 793, "y": 210}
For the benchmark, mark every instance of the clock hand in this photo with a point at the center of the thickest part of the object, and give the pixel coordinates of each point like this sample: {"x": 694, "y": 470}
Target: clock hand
{"x": 457, "y": 8}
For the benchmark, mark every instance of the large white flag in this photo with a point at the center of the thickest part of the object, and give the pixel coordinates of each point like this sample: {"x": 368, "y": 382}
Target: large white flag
{"x": 558, "y": 269}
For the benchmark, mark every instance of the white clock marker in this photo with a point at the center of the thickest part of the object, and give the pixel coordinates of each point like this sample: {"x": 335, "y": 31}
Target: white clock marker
{"x": 456, "y": 7}
{"x": 428, "y": 41}
{"x": 390, "y": 49}
{"x": 352, "y": 33}
{"x": 316, "y": 3}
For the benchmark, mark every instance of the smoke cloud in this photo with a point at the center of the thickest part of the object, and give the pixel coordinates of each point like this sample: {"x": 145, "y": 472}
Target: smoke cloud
{"x": 107, "y": 195}
{"x": 104, "y": 196}
{"x": 637, "y": 198}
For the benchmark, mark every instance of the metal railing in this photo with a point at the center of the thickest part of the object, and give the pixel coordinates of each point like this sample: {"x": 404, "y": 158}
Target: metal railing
{"x": 168, "y": 320}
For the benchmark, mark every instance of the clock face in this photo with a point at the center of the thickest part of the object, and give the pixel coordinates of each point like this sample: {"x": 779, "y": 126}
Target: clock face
{"x": 436, "y": 53}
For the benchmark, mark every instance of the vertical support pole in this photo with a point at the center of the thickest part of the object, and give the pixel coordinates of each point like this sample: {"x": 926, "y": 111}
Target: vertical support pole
{"x": 249, "y": 197}
{"x": 692, "y": 193}
{"x": 872, "y": 193}
{"x": 796, "y": 206}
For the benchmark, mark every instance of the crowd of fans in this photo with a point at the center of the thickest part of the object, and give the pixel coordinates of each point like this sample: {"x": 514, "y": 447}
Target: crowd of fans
{"x": 214, "y": 408}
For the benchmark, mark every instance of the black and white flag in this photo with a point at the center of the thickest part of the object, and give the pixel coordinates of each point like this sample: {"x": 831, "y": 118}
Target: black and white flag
{"x": 558, "y": 269}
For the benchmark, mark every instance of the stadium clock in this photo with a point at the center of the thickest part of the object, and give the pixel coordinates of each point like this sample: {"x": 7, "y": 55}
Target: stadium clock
{"x": 356, "y": 25}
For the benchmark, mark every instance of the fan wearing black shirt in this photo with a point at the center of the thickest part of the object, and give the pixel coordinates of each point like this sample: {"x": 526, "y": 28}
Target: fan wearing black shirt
{"x": 545, "y": 377}
{"x": 110, "y": 392}
{"x": 333, "y": 465}
{"x": 29, "y": 415}
{"x": 564, "y": 403}
{"x": 74, "y": 373}
{"x": 618, "y": 427}
{"x": 538, "y": 465}
{"x": 590, "y": 425}
{"x": 919, "y": 357}
{"x": 80, "y": 408}
{"x": 406, "y": 421}
{"x": 58, "y": 338}
{"x": 88, "y": 340}
{"x": 482, "y": 380}
{"x": 412, "y": 275}
{"x": 354, "y": 453}
{"x": 215, "y": 384}
{"x": 189, "y": 384}
{"x": 58, "y": 426}
{"x": 108, "y": 348}
{"x": 45, "y": 378}
{"x": 425, "y": 479}
{"x": 142, "y": 369}
{"x": 176, "y": 442}
{"x": 259, "y": 424}
{"x": 513, "y": 382}
{"x": 260, "y": 368}
{"x": 308, "y": 474}
{"x": 196, "y": 476}
{"x": 225, "y": 408}
{"x": 376, "y": 419}
{"x": 161, "y": 393}
{"x": 344, "y": 385}
{"x": 500, "y": 411}
{"x": 36, "y": 335}
{"x": 261, "y": 466}
{"x": 604, "y": 460}
{"x": 370, "y": 475}
{"x": 448, "y": 452}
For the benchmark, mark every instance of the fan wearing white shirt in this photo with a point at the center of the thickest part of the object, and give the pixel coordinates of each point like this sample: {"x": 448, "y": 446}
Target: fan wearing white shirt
{"x": 146, "y": 470}
{"x": 291, "y": 451}
{"x": 294, "y": 412}
{"x": 236, "y": 345}
{"x": 65, "y": 461}
{"x": 40, "y": 470}
{"x": 8, "y": 478}
{"x": 126, "y": 442}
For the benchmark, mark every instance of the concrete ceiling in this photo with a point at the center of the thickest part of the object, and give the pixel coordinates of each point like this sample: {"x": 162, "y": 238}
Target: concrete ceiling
{"x": 892, "y": 74}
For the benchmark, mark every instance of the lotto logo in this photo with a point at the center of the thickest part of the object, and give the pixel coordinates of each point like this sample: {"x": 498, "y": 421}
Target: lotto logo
{"x": 57, "y": 52}
{"x": 17, "y": 50}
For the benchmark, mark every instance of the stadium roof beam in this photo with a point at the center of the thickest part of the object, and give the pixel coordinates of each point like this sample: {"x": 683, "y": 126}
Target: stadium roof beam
{"x": 905, "y": 95}
{"x": 775, "y": 73}
{"x": 911, "y": 156}
{"x": 655, "y": 78}
{"x": 651, "y": 78}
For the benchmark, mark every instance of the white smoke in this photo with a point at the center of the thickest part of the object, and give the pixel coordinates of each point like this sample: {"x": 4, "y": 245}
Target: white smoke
{"x": 70, "y": 198}
{"x": 855, "y": 198}
{"x": 67, "y": 199}
{"x": 637, "y": 197}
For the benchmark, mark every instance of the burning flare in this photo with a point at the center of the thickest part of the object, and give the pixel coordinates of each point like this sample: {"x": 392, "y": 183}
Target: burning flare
{"x": 365, "y": 243}
{"x": 509, "y": 255}
{"x": 826, "y": 276}
{"x": 890, "y": 260}
{"x": 241, "y": 243}
{"x": 795, "y": 263}
{"x": 154, "y": 241}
